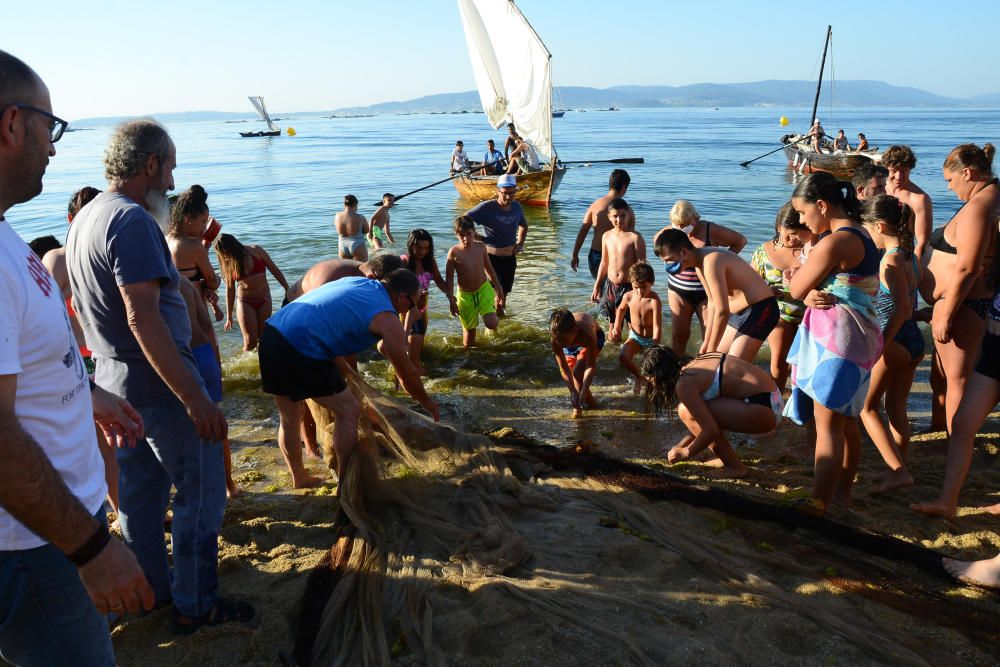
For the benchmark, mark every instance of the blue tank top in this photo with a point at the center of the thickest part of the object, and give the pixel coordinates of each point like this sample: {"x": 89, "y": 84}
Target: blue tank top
{"x": 333, "y": 320}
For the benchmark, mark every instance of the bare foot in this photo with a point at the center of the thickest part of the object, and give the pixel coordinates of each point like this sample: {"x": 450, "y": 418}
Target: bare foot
{"x": 894, "y": 479}
{"x": 708, "y": 457}
{"x": 307, "y": 482}
{"x": 991, "y": 509}
{"x": 312, "y": 451}
{"x": 232, "y": 491}
{"x": 936, "y": 508}
{"x": 979, "y": 572}
{"x": 577, "y": 413}
{"x": 725, "y": 472}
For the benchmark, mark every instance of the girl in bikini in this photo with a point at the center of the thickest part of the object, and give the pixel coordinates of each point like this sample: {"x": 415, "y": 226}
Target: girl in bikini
{"x": 712, "y": 393}
{"x": 686, "y": 296}
{"x": 188, "y": 219}
{"x": 420, "y": 259}
{"x": 771, "y": 260}
{"x": 890, "y": 224}
{"x": 247, "y": 265}
{"x": 352, "y": 228}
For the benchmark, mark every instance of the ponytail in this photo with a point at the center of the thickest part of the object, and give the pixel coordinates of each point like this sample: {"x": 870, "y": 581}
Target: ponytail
{"x": 899, "y": 217}
{"x": 823, "y": 186}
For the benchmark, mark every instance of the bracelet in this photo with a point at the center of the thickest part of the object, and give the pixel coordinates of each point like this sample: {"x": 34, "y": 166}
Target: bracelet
{"x": 94, "y": 545}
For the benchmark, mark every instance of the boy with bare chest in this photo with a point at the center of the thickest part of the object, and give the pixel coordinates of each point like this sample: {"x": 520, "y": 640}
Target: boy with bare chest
{"x": 620, "y": 249}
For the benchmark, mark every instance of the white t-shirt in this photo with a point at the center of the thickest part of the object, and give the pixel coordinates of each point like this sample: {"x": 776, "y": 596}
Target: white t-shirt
{"x": 53, "y": 402}
{"x": 458, "y": 159}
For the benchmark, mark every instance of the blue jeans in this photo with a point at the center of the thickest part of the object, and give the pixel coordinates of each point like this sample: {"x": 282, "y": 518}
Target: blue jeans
{"x": 172, "y": 453}
{"x": 46, "y": 616}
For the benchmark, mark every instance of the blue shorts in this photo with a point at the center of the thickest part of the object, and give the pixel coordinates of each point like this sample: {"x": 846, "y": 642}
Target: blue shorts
{"x": 594, "y": 261}
{"x": 210, "y": 371}
{"x": 642, "y": 340}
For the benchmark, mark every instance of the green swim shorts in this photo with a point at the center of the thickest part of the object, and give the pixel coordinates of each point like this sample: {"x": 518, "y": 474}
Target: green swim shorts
{"x": 473, "y": 304}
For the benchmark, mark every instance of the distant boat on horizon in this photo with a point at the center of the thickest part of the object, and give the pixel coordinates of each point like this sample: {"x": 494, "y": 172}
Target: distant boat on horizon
{"x": 272, "y": 129}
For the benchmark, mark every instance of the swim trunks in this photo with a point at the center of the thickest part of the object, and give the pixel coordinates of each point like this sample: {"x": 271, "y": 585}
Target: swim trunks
{"x": 473, "y": 304}
{"x": 208, "y": 367}
{"x": 572, "y": 354}
{"x": 642, "y": 340}
{"x": 756, "y": 320}
{"x": 611, "y": 298}
{"x": 594, "y": 262}
{"x": 504, "y": 266}
{"x": 284, "y": 371}
{"x": 377, "y": 233}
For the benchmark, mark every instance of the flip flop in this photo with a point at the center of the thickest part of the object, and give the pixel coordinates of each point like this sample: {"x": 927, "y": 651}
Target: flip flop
{"x": 225, "y": 611}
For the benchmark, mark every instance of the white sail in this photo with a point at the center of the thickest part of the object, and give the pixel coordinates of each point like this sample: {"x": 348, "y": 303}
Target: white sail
{"x": 258, "y": 104}
{"x": 512, "y": 69}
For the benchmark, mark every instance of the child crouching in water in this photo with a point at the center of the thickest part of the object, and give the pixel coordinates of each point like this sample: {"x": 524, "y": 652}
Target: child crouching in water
{"x": 479, "y": 290}
{"x": 576, "y": 342}
{"x": 712, "y": 393}
{"x": 642, "y": 309}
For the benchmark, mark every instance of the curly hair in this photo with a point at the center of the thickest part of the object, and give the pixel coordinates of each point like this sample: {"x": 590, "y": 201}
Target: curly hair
{"x": 188, "y": 204}
{"x": 131, "y": 145}
{"x": 899, "y": 156}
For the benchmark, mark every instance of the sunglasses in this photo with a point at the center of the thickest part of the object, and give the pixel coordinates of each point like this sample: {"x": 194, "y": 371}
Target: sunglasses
{"x": 56, "y": 125}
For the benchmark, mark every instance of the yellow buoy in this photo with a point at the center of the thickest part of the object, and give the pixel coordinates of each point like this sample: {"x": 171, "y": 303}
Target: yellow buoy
{"x": 783, "y": 121}
{"x": 291, "y": 131}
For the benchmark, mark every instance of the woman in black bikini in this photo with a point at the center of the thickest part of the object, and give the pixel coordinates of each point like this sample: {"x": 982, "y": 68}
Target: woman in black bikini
{"x": 686, "y": 296}
{"x": 188, "y": 219}
{"x": 953, "y": 282}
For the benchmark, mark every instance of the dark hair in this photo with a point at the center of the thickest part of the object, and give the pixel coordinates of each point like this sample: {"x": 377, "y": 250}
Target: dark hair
{"x": 415, "y": 237}
{"x": 861, "y": 135}
{"x": 232, "y": 256}
{"x": 388, "y": 194}
{"x": 894, "y": 213}
{"x": 661, "y": 368}
{"x": 464, "y": 222}
{"x": 43, "y": 244}
{"x": 561, "y": 321}
{"x": 619, "y": 180}
{"x": 18, "y": 82}
{"x": 866, "y": 172}
{"x": 383, "y": 263}
{"x": 641, "y": 272}
{"x": 190, "y": 203}
{"x": 669, "y": 239}
{"x": 402, "y": 281}
{"x": 510, "y": 126}
{"x": 131, "y": 145}
{"x": 81, "y": 198}
{"x": 823, "y": 186}
{"x": 490, "y": 142}
{"x": 618, "y": 204}
{"x": 787, "y": 218}
{"x": 899, "y": 156}
{"x": 350, "y": 200}
{"x": 971, "y": 156}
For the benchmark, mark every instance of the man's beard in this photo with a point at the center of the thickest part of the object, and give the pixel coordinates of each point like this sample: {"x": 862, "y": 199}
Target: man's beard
{"x": 158, "y": 205}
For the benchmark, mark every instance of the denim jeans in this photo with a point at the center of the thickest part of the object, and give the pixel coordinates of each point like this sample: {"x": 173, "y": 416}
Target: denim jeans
{"x": 172, "y": 453}
{"x": 46, "y": 616}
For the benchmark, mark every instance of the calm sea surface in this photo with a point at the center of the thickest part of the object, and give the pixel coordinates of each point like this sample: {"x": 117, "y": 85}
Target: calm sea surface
{"x": 282, "y": 192}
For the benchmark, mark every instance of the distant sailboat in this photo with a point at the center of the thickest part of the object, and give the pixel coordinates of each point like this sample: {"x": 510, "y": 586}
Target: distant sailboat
{"x": 272, "y": 129}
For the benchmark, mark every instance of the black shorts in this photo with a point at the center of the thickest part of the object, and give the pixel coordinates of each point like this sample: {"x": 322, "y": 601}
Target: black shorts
{"x": 505, "y": 266}
{"x": 419, "y": 327}
{"x": 756, "y": 320}
{"x": 284, "y": 371}
{"x": 989, "y": 357}
{"x": 694, "y": 298}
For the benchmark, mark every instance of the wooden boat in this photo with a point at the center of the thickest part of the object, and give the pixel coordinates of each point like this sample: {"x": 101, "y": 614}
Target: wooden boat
{"x": 801, "y": 153}
{"x": 272, "y": 129}
{"x": 513, "y": 72}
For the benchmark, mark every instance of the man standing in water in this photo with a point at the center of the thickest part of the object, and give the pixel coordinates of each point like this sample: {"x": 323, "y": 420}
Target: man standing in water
{"x": 505, "y": 229}
{"x": 126, "y": 294}
{"x": 60, "y": 569}
{"x": 596, "y": 217}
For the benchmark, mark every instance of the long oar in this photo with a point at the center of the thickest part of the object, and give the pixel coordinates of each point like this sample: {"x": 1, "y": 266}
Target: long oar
{"x": 618, "y": 160}
{"x": 782, "y": 147}
{"x": 443, "y": 180}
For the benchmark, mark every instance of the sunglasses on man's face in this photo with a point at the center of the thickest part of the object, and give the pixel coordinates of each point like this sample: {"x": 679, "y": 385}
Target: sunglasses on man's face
{"x": 56, "y": 125}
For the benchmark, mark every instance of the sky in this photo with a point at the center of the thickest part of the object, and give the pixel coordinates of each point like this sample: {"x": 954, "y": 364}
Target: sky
{"x": 115, "y": 57}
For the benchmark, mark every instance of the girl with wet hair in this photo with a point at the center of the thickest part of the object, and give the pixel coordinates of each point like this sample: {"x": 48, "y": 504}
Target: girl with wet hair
{"x": 712, "y": 393}
{"x": 244, "y": 268}
{"x": 839, "y": 340}
{"x": 186, "y": 226}
{"x": 80, "y": 198}
{"x": 419, "y": 259}
{"x": 890, "y": 224}
{"x": 973, "y": 230}
{"x": 771, "y": 260}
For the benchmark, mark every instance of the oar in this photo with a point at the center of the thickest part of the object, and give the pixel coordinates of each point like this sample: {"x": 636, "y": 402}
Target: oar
{"x": 443, "y": 180}
{"x": 782, "y": 147}
{"x": 618, "y": 160}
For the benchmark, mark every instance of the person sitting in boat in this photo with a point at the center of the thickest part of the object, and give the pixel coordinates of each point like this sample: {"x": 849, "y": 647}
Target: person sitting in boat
{"x": 523, "y": 159}
{"x": 511, "y": 142}
{"x": 493, "y": 160}
{"x": 840, "y": 143}
{"x": 862, "y": 142}
{"x": 459, "y": 160}
{"x": 817, "y": 133}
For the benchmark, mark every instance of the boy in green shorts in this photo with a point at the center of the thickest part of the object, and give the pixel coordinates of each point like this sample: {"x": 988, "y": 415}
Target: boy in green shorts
{"x": 479, "y": 290}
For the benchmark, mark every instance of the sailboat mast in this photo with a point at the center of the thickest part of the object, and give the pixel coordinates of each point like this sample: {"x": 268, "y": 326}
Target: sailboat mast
{"x": 819, "y": 84}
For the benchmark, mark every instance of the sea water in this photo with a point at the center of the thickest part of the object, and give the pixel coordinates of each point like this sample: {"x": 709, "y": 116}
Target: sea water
{"x": 282, "y": 193}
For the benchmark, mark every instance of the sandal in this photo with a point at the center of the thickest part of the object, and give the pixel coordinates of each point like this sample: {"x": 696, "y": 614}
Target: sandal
{"x": 225, "y": 611}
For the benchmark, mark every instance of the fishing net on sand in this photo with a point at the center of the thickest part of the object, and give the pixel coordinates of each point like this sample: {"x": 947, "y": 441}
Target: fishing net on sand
{"x": 457, "y": 550}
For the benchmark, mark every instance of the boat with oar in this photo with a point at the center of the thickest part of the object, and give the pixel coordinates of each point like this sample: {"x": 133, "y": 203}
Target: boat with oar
{"x": 801, "y": 153}
{"x": 272, "y": 129}
{"x": 513, "y": 71}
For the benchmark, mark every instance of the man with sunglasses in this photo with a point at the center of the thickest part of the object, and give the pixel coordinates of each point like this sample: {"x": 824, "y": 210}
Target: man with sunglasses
{"x": 303, "y": 349}
{"x": 504, "y": 230}
{"x": 60, "y": 569}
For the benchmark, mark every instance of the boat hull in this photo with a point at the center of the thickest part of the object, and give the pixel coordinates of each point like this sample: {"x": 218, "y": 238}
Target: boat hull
{"x": 806, "y": 160}
{"x": 534, "y": 189}
{"x": 274, "y": 133}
